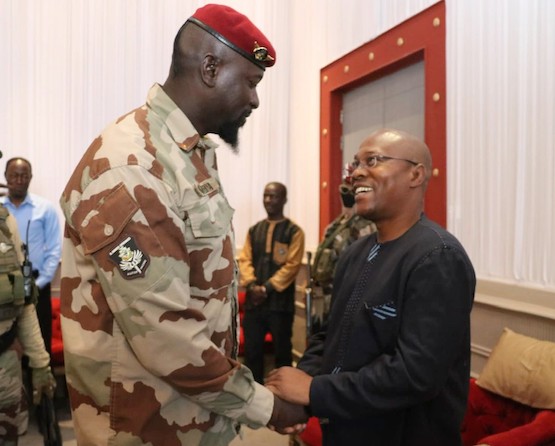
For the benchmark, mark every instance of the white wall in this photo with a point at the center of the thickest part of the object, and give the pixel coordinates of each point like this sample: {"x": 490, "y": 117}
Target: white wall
{"x": 70, "y": 66}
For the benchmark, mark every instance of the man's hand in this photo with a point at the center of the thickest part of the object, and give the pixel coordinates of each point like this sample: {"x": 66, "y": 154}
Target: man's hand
{"x": 43, "y": 382}
{"x": 287, "y": 418}
{"x": 290, "y": 384}
{"x": 258, "y": 294}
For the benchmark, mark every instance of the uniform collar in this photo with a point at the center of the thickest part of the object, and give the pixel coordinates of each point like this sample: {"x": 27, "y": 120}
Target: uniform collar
{"x": 181, "y": 129}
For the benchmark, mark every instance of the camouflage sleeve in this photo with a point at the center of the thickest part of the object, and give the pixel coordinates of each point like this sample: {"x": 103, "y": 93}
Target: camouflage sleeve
{"x": 246, "y": 268}
{"x": 362, "y": 227}
{"x": 284, "y": 276}
{"x": 16, "y": 238}
{"x": 166, "y": 279}
{"x": 28, "y": 333}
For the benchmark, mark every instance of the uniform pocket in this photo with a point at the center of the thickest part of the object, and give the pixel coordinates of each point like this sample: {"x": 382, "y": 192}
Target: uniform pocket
{"x": 103, "y": 224}
{"x": 211, "y": 218}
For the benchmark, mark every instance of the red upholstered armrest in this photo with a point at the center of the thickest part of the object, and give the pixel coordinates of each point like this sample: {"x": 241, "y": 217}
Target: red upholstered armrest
{"x": 57, "y": 346}
{"x": 497, "y": 421}
{"x": 539, "y": 432}
{"x": 488, "y": 413}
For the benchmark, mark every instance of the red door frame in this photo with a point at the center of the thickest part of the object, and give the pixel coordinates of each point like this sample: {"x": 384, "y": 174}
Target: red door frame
{"x": 421, "y": 37}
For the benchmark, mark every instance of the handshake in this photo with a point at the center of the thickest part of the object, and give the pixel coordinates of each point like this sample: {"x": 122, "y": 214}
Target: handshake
{"x": 291, "y": 389}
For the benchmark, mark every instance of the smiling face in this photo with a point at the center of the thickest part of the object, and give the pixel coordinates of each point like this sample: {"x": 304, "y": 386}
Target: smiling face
{"x": 275, "y": 197}
{"x": 390, "y": 186}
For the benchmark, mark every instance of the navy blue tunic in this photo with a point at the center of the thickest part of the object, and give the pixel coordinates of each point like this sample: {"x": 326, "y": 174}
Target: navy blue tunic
{"x": 392, "y": 366}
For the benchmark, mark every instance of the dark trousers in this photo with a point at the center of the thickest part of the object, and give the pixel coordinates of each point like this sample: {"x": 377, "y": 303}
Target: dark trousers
{"x": 44, "y": 314}
{"x": 256, "y": 323}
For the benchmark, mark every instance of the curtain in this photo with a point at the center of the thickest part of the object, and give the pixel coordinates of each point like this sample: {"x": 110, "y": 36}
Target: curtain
{"x": 501, "y": 136}
{"x": 71, "y": 66}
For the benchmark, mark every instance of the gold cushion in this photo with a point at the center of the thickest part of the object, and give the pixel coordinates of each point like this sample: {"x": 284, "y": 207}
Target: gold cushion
{"x": 522, "y": 369}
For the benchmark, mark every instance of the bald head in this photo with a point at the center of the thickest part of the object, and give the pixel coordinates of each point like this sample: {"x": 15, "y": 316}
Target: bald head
{"x": 390, "y": 178}
{"x": 402, "y": 145}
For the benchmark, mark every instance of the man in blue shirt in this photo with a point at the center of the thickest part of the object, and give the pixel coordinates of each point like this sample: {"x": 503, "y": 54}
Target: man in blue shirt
{"x": 39, "y": 228}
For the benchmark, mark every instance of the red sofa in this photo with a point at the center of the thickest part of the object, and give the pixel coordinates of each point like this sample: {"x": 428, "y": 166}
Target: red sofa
{"x": 490, "y": 420}
{"x": 497, "y": 421}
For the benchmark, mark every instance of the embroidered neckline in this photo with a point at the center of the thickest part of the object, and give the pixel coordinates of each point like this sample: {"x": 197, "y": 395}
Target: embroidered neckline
{"x": 373, "y": 252}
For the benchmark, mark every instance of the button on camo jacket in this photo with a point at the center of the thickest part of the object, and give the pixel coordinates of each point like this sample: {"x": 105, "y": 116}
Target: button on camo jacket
{"x": 149, "y": 308}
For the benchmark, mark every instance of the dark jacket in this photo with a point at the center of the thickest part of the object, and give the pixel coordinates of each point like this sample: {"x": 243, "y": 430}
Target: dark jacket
{"x": 392, "y": 366}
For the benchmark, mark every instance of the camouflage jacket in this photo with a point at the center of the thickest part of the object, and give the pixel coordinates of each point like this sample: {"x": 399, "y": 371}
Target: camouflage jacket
{"x": 339, "y": 234}
{"x": 149, "y": 289}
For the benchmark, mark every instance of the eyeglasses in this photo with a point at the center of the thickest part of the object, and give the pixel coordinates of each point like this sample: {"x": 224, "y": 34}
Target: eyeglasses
{"x": 373, "y": 160}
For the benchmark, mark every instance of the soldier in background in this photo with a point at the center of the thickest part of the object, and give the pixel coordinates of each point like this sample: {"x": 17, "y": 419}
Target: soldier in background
{"x": 38, "y": 224}
{"x": 340, "y": 233}
{"x": 19, "y": 334}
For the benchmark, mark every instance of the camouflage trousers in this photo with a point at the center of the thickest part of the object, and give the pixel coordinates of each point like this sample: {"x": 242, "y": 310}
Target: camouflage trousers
{"x": 14, "y": 414}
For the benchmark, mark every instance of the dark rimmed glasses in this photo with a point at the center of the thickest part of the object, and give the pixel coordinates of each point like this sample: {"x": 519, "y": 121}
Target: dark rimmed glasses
{"x": 372, "y": 161}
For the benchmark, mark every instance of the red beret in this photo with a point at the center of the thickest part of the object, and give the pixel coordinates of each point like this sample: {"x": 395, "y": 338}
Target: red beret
{"x": 237, "y": 32}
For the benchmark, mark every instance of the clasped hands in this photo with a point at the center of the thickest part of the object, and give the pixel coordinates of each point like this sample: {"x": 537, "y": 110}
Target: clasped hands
{"x": 291, "y": 389}
{"x": 258, "y": 294}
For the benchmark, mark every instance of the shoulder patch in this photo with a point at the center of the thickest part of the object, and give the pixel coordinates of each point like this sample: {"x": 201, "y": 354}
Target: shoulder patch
{"x": 131, "y": 261}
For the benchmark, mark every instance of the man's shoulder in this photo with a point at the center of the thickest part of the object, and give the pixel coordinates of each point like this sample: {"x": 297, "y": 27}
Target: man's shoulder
{"x": 428, "y": 236}
{"x": 39, "y": 199}
{"x": 293, "y": 225}
{"x": 259, "y": 223}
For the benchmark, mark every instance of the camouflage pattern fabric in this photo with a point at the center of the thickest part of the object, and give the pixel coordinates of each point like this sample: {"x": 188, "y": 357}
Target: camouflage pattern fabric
{"x": 13, "y": 416}
{"x": 14, "y": 413}
{"x": 149, "y": 289}
{"x": 339, "y": 234}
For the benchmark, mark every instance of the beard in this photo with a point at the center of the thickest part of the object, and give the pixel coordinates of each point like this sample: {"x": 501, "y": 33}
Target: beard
{"x": 229, "y": 132}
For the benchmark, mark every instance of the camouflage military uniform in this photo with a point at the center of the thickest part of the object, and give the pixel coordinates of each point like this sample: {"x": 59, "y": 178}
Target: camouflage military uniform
{"x": 149, "y": 289}
{"x": 339, "y": 234}
{"x": 19, "y": 333}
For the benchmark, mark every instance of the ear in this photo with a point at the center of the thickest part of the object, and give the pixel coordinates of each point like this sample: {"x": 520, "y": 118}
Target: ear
{"x": 209, "y": 70}
{"x": 418, "y": 176}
